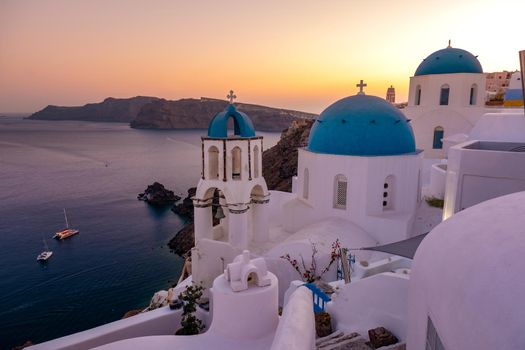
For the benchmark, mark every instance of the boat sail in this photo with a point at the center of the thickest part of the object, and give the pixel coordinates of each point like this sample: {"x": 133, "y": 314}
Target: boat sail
{"x": 67, "y": 232}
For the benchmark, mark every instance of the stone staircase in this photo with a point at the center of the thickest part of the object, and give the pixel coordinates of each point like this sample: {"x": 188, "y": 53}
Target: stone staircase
{"x": 340, "y": 340}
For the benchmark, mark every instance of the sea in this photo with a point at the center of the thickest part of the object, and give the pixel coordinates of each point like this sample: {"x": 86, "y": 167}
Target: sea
{"x": 120, "y": 258}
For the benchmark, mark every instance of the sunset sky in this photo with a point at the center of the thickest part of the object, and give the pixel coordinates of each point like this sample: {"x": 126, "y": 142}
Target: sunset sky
{"x": 297, "y": 54}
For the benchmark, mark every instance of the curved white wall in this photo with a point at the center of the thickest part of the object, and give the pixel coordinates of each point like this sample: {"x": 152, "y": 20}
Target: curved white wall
{"x": 296, "y": 329}
{"x": 467, "y": 276}
{"x": 162, "y": 321}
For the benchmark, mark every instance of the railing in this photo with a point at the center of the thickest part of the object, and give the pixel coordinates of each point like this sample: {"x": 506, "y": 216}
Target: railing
{"x": 320, "y": 297}
{"x": 345, "y": 262}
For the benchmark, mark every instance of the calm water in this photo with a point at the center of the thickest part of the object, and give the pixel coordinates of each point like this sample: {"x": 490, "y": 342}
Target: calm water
{"x": 120, "y": 258}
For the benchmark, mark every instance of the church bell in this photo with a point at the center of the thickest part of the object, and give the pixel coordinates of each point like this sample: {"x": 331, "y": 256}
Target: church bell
{"x": 220, "y": 213}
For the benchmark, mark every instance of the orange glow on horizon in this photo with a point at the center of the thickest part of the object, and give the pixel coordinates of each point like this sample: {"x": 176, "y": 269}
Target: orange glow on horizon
{"x": 297, "y": 54}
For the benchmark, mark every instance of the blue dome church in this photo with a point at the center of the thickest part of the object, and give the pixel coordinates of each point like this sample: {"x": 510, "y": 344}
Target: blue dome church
{"x": 361, "y": 165}
{"x": 231, "y": 201}
{"x": 446, "y": 98}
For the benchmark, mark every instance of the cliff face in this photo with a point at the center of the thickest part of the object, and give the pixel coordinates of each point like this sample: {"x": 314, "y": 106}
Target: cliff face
{"x": 280, "y": 161}
{"x": 110, "y": 110}
{"x": 197, "y": 113}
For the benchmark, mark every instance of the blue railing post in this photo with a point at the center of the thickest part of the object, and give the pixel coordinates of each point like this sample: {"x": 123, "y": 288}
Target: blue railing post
{"x": 319, "y": 297}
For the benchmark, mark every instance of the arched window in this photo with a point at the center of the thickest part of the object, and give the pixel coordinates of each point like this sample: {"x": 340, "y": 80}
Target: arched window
{"x": 389, "y": 187}
{"x": 306, "y": 183}
{"x": 213, "y": 163}
{"x": 473, "y": 94}
{"x": 256, "y": 162}
{"x": 443, "y": 96}
{"x": 340, "y": 189}
{"x": 418, "y": 95}
{"x": 236, "y": 163}
{"x": 438, "y": 137}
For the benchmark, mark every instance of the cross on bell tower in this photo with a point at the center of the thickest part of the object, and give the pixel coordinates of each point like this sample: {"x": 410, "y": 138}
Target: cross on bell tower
{"x": 231, "y": 96}
{"x": 361, "y": 85}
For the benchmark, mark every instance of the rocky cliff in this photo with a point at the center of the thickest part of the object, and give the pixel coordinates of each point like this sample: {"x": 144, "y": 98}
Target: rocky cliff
{"x": 280, "y": 161}
{"x": 197, "y": 113}
{"x": 109, "y": 110}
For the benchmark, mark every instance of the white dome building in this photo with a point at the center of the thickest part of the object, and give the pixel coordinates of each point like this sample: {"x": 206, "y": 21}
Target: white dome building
{"x": 446, "y": 97}
{"x": 467, "y": 289}
{"x": 360, "y": 165}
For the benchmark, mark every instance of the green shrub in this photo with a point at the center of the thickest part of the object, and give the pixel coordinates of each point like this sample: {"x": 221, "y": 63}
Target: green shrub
{"x": 190, "y": 324}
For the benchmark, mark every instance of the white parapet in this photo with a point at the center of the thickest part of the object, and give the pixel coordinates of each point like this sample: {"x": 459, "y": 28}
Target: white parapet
{"x": 296, "y": 329}
{"x": 248, "y": 314}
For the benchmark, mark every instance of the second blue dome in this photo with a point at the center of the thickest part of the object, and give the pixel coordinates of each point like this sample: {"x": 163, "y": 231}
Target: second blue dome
{"x": 362, "y": 125}
{"x": 449, "y": 60}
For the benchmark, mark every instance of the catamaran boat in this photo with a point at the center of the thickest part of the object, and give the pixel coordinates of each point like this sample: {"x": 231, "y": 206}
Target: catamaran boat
{"x": 67, "y": 232}
{"x": 46, "y": 254}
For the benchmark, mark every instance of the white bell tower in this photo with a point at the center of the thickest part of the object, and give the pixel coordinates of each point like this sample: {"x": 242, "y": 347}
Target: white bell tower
{"x": 231, "y": 167}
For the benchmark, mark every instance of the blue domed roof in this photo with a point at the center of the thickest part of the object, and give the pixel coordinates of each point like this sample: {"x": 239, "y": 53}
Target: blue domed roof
{"x": 242, "y": 124}
{"x": 449, "y": 60}
{"x": 362, "y": 125}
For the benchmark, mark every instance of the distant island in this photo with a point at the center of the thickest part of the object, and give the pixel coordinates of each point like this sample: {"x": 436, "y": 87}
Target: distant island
{"x": 143, "y": 112}
{"x": 109, "y": 110}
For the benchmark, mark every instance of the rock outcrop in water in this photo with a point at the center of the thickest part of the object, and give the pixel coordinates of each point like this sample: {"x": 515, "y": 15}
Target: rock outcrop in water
{"x": 158, "y": 195}
{"x": 279, "y": 166}
{"x": 185, "y": 208}
{"x": 184, "y": 239}
{"x": 109, "y": 110}
{"x": 197, "y": 113}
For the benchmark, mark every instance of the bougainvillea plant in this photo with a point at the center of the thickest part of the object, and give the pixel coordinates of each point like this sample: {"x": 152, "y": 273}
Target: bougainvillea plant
{"x": 309, "y": 274}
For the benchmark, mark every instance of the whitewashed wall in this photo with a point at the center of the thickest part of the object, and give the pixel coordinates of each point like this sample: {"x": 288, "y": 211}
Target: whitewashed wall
{"x": 476, "y": 175}
{"x": 296, "y": 330}
{"x": 455, "y": 118}
{"x": 365, "y": 179}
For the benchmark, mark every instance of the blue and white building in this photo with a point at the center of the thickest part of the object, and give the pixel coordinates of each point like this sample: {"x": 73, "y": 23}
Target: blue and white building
{"x": 361, "y": 165}
{"x": 446, "y": 98}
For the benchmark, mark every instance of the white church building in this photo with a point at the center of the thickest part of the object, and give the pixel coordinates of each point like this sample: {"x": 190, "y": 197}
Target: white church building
{"x": 446, "y": 97}
{"x": 360, "y": 165}
{"x": 232, "y": 168}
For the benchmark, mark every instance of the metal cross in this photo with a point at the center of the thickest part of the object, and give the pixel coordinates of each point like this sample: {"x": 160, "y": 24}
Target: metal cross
{"x": 361, "y": 85}
{"x": 231, "y": 97}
